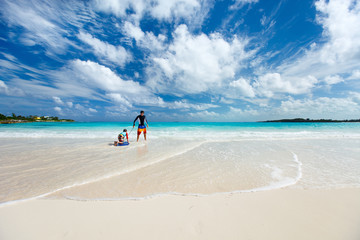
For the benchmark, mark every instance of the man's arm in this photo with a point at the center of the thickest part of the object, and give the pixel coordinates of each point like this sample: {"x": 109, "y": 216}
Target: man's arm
{"x": 135, "y": 120}
{"x": 146, "y": 122}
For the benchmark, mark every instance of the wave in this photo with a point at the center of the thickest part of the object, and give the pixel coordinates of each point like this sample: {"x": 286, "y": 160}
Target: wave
{"x": 198, "y": 134}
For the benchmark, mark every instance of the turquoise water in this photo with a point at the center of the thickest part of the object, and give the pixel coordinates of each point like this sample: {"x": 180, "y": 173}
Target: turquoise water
{"x": 78, "y": 160}
{"x": 179, "y": 129}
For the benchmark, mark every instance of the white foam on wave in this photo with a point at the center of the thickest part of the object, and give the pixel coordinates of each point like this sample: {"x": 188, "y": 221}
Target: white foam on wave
{"x": 181, "y": 133}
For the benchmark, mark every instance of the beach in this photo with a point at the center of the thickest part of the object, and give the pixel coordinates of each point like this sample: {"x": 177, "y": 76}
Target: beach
{"x": 277, "y": 214}
{"x": 251, "y": 181}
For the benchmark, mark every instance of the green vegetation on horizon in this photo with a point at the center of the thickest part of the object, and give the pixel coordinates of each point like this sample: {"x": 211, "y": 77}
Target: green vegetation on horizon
{"x": 32, "y": 118}
{"x": 312, "y": 120}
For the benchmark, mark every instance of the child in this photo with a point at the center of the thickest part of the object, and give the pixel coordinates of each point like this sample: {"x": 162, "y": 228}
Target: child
{"x": 121, "y": 138}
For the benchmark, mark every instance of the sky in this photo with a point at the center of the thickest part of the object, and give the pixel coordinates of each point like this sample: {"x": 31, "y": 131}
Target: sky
{"x": 180, "y": 60}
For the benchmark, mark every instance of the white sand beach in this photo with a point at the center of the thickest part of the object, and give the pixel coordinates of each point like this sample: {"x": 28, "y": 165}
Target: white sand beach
{"x": 270, "y": 184}
{"x": 273, "y": 215}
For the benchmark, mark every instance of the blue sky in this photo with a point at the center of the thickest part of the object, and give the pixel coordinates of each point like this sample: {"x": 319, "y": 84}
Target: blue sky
{"x": 180, "y": 60}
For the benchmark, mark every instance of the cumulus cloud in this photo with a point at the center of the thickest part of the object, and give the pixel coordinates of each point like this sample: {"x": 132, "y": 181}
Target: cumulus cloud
{"x": 243, "y": 86}
{"x": 95, "y": 81}
{"x": 70, "y": 104}
{"x": 58, "y": 100}
{"x": 3, "y": 87}
{"x": 183, "y": 104}
{"x": 323, "y": 107}
{"x": 196, "y": 63}
{"x": 118, "y": 98}
{"x": 215, "y": 65}
{"x": 92, "y": 110}
{"x": 10, "y": 90}
{"x": 338, "y": 18}
{"x": 133, "y": 31}
{"x": 83, "y": 110}
{"x": 58, "y": 110}
{"x": 165, "y": 10}
{"x": 145, "y": 40}
{"x": 339, "y": 50}
{"x": 203, "y": 115}
{"x": 235, "y": 113}
{"x": 355, "y": 75}
{"x": 334, "y": 79}
{"x": 272, "y": 83}
{"x": 105, "y": 51}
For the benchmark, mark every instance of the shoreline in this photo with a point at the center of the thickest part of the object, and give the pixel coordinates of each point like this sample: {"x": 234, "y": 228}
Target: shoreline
{"x": 25, "y": 121}
{"x": 331, "y": 214}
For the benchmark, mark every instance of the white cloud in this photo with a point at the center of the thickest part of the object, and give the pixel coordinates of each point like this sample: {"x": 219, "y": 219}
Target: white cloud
{"x": 203, "y": 115}
{"x": 334, "y": 79}
{"x": 3, "y": 87}
{"x": 183, "y": 104}
{"x": 105, "y": 51}
{"x": 355, "y": 96}
{"x": 168, "y": 9}
{"x": 101, "y": 77}
{"x": 10, "y": 90}
{"x": 145, "y": 40}
{"x": 340, "y": 51}
{"x": 196, "y": 63}
{"x": 272, "y": 83}
{"x": 238, "y": 112}
{"x": 69, "y": 104}
{"x": 79, "y": 107}
{"x": 339, "y": 18}
{"x": 118, "y": 98}
{"x": 58, "y": 100}
{"x": 226, "y": 101}
{"x": 160, "y": 9}
{"x": 355, "y": 75}
{"x": 94, "y": 81}
{"x": 45, "y": 23}
{"x": 323, "y": 107}
{"x": 59, "y": 110}
{"x": 263, "y": 20}
{"x": 133, "y": 31}
{"x": 240, "y": 3}
{"x": 83, "y": 110}
{"x": 119, "y": 7}
{"x": 243, "y": 86}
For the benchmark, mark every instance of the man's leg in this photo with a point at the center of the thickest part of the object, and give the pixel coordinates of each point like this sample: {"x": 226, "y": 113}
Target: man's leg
{"x": 138, "y": 135}
{"x": 145, "y": 136}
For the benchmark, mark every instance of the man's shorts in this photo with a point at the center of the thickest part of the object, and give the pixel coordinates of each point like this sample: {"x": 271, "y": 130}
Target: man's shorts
{"x": 141, "y": 129}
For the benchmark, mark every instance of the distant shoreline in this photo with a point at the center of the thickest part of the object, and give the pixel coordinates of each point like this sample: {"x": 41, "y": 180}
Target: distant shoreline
{"x": 312, "y": 120}
{"x": 26, "y": 121}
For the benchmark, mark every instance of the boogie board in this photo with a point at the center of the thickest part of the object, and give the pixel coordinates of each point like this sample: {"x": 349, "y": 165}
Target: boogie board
{"x": 124, "y": 144}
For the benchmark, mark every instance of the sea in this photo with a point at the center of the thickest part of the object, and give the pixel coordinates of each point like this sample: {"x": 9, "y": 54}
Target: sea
{"x": 78, "y": 160}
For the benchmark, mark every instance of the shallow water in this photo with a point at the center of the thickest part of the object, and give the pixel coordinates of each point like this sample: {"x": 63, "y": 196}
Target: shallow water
{"x": 78, "y": 161}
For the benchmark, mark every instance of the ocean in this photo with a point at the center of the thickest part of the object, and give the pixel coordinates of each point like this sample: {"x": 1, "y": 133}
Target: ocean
{"x": 77, "y": 160}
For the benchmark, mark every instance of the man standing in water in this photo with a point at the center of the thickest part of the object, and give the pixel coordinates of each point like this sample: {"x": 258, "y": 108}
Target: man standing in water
{"x": 141, "y": 127}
